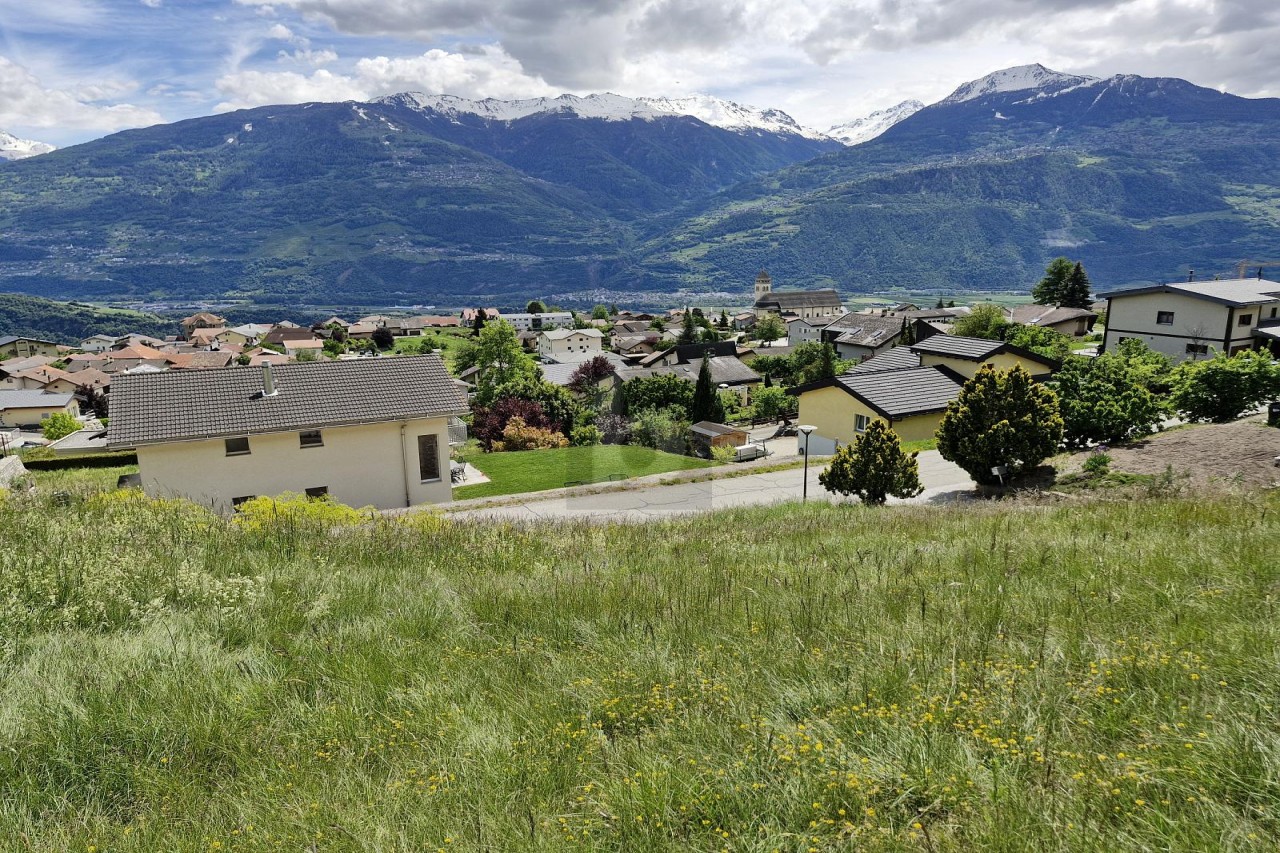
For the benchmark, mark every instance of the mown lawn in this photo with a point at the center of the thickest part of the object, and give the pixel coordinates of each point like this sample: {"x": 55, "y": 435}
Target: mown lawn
{"x": 539, "y": 470}
{"x": 1084, "y": 676}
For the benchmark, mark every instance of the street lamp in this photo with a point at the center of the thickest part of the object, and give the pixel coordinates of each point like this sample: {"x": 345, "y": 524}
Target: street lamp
{"x": 806, "y": 429}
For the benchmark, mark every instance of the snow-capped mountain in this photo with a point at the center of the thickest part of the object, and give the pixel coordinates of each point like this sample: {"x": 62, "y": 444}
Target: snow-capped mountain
{"x": 610, "y": 107}
{"x": 870, "y": 126}
{"x": 1017, "y": 79}
{"x": 730, "y": 115}
{"x": 13, "y": 148}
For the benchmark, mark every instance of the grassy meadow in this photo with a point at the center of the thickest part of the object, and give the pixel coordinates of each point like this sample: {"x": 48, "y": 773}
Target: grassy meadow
{"x": 1092, "y": 675}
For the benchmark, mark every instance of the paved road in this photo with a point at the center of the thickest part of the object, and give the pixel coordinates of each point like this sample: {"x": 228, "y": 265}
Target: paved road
{"x": 942, "y": 481}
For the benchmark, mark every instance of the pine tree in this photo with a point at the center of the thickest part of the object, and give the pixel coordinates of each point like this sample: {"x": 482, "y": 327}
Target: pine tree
{"x": 688, "y": 331}
{"x": 873, "y": 468}
{"x": 1077, "y": 293}
{"x": 706, "y": 402}
{"x": 827, "y": 362}
{"x": 1001, "y": 418}
{"x": 478, "y": 326}
{"x": 907, "y": 336}
{"x": 1051, "y": 289}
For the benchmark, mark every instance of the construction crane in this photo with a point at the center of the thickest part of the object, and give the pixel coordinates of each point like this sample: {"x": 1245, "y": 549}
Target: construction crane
{"x": 1261, "y": 265}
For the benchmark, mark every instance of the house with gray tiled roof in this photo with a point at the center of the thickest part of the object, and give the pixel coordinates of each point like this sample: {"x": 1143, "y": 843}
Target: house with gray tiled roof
{"x": 29, "y": 407}
{"x": 907, "y": 387}
{"x": 365, "y": 432}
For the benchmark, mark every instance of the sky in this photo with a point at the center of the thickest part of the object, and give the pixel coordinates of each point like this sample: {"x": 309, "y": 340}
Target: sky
{"x": 74, "y": 70}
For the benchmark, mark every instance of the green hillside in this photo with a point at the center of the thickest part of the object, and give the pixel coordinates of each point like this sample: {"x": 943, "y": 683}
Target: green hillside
{"x": 70, "y": 323}
{"x": 1080, "y": 677}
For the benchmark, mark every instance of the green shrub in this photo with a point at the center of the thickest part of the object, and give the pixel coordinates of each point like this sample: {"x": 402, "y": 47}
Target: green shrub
{"x": 873, "y": 467}
{"x": 59, "y": 425}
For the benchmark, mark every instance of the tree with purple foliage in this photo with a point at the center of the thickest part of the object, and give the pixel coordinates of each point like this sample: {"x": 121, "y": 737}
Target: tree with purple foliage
{"x": 585, "y": 381}
{"x": 488, "y": 422}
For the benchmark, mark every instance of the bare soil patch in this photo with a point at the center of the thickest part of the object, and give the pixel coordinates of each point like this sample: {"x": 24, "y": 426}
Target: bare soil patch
{"x": 1242, "y": 451}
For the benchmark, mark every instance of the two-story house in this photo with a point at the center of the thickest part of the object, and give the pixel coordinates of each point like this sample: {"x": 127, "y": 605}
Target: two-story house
{"x": 1194, "y": 319}
{"x": 576, "y": 342}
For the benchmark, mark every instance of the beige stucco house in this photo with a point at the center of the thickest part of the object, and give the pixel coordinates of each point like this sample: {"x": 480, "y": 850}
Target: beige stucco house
{"x": 14, "y": 346}
{"x": 1194, "y": 319}
{"x": 366, "y": 432}
{"x": 554, "y": 342}
{"x": 29, "y": 408}
{"x": 907, "y": 387}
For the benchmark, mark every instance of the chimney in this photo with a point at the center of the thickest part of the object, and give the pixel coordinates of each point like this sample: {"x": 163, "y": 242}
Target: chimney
{"x": 1191, "y": 275}
{"x": 268, "y": 381}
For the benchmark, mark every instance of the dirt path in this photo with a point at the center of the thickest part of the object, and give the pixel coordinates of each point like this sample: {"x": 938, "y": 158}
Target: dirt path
{"x": 1243, "y": 450}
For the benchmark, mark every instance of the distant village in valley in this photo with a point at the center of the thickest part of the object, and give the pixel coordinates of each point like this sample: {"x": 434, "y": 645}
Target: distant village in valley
{"x": 391, "y": 411}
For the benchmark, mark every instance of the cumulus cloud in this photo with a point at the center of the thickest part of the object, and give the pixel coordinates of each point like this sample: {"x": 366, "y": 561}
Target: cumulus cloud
{"x": 596, "y": 44}
{"x": 25, "y": 102}
{"x": 485, "y": 72}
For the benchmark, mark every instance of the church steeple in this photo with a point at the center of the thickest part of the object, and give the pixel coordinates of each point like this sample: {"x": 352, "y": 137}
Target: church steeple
{"x": 764, "y": 285}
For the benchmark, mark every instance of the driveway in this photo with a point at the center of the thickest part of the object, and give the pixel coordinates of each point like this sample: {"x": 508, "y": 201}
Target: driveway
{"x": 942, "y": 481}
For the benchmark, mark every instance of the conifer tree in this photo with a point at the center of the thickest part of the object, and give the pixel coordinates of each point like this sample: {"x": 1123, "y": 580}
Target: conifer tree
{"x": 827, "y": 362}
{"x": 1001, "y": 418}
{"x": 873, "y": 468}
{"x": 688, "y": 331}
{"x": 706, "y": 402}
{"x": 1077, "y": 291}
{"x": 1051, "y": 289}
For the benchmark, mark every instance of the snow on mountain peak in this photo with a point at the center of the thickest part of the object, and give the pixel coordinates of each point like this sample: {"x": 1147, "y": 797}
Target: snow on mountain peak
{"x": 870, "y": 126}
{"x": 610, "y": 107}
{"x": 13, "y": 148}
{"x": 1016, "y": 79}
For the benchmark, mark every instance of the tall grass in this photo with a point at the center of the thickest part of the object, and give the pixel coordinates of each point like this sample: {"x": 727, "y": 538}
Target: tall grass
{"x": 1004, "y": 677}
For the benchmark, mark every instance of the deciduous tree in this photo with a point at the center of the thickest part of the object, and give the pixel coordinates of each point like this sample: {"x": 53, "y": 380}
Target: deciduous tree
{"x": 1103, "y": 400}
{"x": 984, "y": 321}
{"x": 770, "y": 328}
{"x": 1224, "y": 387}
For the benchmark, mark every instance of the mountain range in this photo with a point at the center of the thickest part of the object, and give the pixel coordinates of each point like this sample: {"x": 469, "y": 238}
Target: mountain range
{"x": 415, "y": 198}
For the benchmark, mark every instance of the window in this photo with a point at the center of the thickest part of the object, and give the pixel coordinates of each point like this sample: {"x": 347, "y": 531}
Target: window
{"x": 860, "y": 423}
{"x": 1273, "y": 313}
{"x": 1245, "y": 320}
{"x": 237, "y": 447}
{"x": 310, "y": 438}
{"x": 1164, "y": 318}
{"x": 235, "y": 502}
{"x": 428, "y": 457}
{"x": 1197, "y": 349}
{"x": 317, "y": 492}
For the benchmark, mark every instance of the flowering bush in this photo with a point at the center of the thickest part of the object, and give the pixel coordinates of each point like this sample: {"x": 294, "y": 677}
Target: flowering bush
{"x": 520, "y": 436}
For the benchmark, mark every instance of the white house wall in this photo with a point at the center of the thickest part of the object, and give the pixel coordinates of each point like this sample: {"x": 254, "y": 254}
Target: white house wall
{"x": 1195, "y": 321}
{"x": 361, "y": 466}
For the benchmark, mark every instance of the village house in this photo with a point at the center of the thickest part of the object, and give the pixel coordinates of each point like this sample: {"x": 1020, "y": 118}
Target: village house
{"x": 1193, "y": 319}
{"x": 858, "y": 337}
{"x": 15, "y": 346}
{"x": 1072, "y": 322}
{"x": 537, "y": 322}
{"x": 907, "y": 387}
{"x": 557, "y": 342}
{"x": 28, "y": 408}
{"x": 98, "y": 343}
{"x": 805, "y": 304}
{"x": 200, "y": 320}
{"x": 366, "y": 432}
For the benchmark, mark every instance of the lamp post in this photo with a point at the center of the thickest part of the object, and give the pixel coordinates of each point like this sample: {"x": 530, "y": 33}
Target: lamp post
{"x": 806, "y": 429}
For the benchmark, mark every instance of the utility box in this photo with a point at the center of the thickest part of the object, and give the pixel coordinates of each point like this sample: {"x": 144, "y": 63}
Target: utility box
{"x": 1273, "y": 414}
